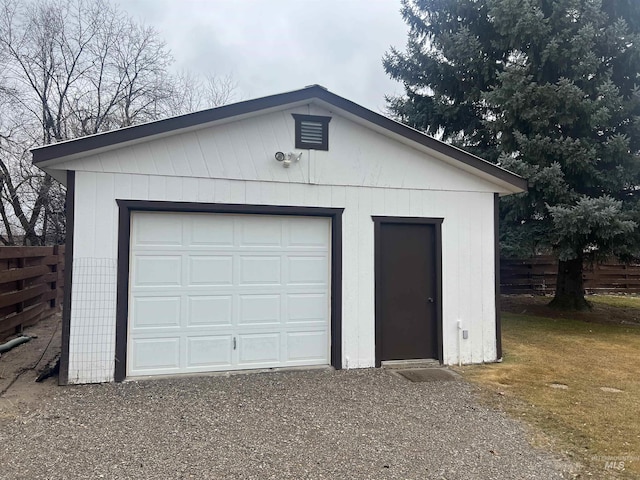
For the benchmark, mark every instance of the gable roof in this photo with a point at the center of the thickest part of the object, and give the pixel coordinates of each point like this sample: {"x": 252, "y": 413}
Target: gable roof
{"x": 49, "y": 155}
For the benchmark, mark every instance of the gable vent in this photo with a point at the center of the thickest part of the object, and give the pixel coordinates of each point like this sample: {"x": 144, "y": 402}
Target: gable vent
{"x": 312, "y": 132}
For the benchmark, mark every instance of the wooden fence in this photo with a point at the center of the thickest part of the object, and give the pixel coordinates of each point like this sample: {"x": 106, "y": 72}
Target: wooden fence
{"x": 31, "y": 285}
{"x": 538, "y": 275}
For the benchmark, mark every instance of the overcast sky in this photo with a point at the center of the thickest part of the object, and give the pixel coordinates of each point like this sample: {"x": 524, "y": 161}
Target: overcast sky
{"x": 272, "y": 46}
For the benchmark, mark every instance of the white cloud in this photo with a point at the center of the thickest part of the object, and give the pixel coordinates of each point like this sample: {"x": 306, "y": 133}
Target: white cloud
{"x": 278, "y": 45}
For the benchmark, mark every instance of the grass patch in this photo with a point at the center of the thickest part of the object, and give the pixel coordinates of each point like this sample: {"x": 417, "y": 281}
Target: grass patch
{"x": 582, "y": 419}
{"x": 620, "y": 301}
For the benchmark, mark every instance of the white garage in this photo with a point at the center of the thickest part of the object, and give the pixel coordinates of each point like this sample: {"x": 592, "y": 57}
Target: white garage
{"x": 291, "y": 230}
{"x": 223, "y": 292}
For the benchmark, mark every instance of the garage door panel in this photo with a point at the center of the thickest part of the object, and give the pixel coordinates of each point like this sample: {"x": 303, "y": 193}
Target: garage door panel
{"x": 157, "y": 230}
{"x": 259, "y": 269}
{"x": 308, "y": 270}
{"x": 156, "y": 312}
{"x": 209, "y": 351}
{"x": 260, "y": 232}
{"x": 155, "y": 270}
{"x": 259, "y": 309}
{"x": 210, "y": 270}
{"x": 159, "y": 354}
{"x": 258, "y": 348}
{"x": 209, "y": 310}
{"x": 303, "y": 233}
{"x": 306, "y": 346}
{"x": 235, "y": 292}
{"x": 209, "y": 230}
{"x": 307, "y": 308}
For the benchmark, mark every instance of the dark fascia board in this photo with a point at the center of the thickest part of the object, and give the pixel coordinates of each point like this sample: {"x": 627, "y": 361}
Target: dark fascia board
{"x": 146, "y": 130}
{"x": 63, "y": 376}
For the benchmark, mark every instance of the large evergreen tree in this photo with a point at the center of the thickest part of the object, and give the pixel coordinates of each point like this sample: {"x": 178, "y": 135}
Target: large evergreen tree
{"x": 549, "y": 89}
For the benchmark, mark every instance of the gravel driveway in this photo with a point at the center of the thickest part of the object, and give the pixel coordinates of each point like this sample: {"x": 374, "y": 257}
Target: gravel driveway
{"x": 358, "y": 424}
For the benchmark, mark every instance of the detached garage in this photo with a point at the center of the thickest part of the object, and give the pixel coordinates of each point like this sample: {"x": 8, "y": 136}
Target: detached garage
{"x": 293, "y": 230}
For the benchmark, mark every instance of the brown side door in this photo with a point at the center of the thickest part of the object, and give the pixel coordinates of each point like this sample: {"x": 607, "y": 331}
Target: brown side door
{"x": 407, "y": 301}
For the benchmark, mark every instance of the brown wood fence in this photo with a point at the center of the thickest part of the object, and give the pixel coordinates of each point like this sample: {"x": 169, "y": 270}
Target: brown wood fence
{"x": 538, "y": 275}
{"x": 31, "y": 285}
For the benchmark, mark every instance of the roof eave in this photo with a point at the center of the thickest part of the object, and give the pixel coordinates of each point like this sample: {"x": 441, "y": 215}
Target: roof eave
{"x": 63, "y": 150}
{"x": 49, "y": 155}
{"x": 421, "y": 138}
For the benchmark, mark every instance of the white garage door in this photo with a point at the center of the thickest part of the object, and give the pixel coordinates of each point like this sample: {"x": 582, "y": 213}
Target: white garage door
{"x": 224, "y": 292}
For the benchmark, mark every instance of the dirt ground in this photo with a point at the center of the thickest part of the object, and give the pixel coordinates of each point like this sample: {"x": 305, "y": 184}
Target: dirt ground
{"x": 19, "y": 367}
{"x": 600, "y": 313}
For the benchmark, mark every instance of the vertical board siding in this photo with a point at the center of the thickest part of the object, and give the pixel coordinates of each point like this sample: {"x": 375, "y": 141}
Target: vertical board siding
{"x": 350, "y": 285}
{"x": 158, "y": 186}
{"x": 489, "y": 289}
{"x": 467, "y": 258}
{"x": 472, "y": 231}
{"x": 244, "y": 150}
{"x": 365, "y": 172}
{"x": 189, "y": 154}
{"x": 469, "y": 306}
{"x": 85, "y": 214}
{"x": 105, "y": 234}
{"x": 366, "y": 278}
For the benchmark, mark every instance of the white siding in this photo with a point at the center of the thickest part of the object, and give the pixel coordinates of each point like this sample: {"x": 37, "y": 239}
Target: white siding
{"x": 244, "y": 150}
{"x": 365, "y": 172}
{"x": 468, "y": 249}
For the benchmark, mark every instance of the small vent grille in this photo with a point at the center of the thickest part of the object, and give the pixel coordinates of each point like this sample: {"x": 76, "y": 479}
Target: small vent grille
{"x": 312, "y": 132}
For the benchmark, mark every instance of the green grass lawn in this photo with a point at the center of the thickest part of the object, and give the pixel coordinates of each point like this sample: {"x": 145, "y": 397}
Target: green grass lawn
{"x": 583, "y": 419}
{"x": 622, "y": 301}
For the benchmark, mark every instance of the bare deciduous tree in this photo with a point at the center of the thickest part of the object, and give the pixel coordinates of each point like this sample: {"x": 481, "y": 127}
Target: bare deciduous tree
{"x": 191, "y": 93}
{"x": 70, "y": 68}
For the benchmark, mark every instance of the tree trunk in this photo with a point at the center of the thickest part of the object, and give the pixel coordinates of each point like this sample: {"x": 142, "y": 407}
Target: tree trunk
{"x": 570, "y": 286}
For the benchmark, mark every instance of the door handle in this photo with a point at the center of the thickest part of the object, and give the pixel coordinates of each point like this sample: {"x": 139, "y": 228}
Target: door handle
{"x": 430, "y": 300}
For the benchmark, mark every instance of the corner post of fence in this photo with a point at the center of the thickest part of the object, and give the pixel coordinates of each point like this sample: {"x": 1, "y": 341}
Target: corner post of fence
{"x": 20, "y": 263}
{"x": 60, "y": 270}
{"x": 54, "y": 284}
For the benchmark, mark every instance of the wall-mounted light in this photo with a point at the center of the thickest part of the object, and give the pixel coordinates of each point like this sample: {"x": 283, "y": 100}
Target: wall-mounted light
{"x": 287, "y": 158}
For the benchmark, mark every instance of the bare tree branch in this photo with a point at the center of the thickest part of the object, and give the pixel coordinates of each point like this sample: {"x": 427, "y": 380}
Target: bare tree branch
{"x": 70, "y": 68}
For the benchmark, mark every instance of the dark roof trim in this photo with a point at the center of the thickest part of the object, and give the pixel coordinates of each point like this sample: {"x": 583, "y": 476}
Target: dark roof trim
{"x": 69, "y": 204}
{"x": 103, "y": 140}
{"x": 496, "y": 259}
